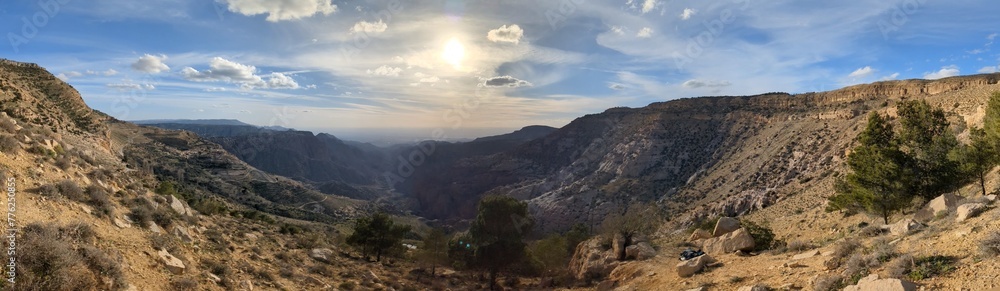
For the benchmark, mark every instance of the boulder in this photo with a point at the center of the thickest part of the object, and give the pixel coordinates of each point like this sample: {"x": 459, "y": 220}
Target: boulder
{"x": 182, "y": 233}
{"x": 177, "y": 205}
{"x": 699, "y": 234}
{"x": 322, "y": 255}
{"x": 692, "y": 266}
{"x": 941, "y": 204}
{"x": 754, "y": 288}
{"x": 991, "y": 198}
{"x": 154, "y": 227}
{"x": 618, "y": 245}
{"x": 725, "y": 225}
{"x": 873, "y": 283}
{"x": 591, "y": 260}
{"x": 173, "y": 264}
{"x": 904, "y": 227}
{"x": 739, "y": 240}
{"x": 969, "y": 210}
{"x": 640, "y": 251}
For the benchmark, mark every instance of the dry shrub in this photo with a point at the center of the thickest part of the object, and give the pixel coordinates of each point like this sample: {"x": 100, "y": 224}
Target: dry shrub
{"x": 990, "y": 246}
{"x": 829, "y": 282}
{"x": 900, "y": 266}
{"x": 60, "y": 258}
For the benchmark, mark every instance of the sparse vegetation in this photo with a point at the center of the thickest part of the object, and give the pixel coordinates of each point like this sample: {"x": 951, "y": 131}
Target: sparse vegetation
{"x": 763, "y": 236}
{"x": 931, "y": 266}
{"x": 377, "y": 235}
{"x": 990, "y": 246}
{"x": 629, "y": 223}
{"x": 9, "y": 144}
{"x": 829, "y": 282}
{"x": 60, "y": 258}
{"x": 498, "y": 232}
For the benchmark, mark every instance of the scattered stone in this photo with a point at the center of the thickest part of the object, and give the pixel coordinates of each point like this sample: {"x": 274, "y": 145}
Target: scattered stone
{"x": 692, "y": 266}
{"x": 827, "y": 253}
{"x": 154, "y": 227}
{"x": 970, "y": 210}
{"x": 182, "y": 233}
{"x": 250, "y": 236}
{"x": 991, "y": 198}
{"x": 212, "y": 277}
{"x": 640, "y": 251}
{"x": 699, "y": 234}
{"x": 739, "y": 240}
{"x": 725, "y": 225}
{"x": 246, "y": 285}
{"x": 806, "y": 255}
{"x": 606, "y": 285}
{"x": 943, "y": 203}
{"x": 86, "y": 209}
{"x": 177, "y": 205}
{"x": 173, "y": 264}
{"x": 754, "y": 288}
{"x": 121, "y": 223}
{"x": 904, "y": 227}
{"x": 793, "y": 265}
{"x": 322, "y": 255}
{"x": 873, "y": 283}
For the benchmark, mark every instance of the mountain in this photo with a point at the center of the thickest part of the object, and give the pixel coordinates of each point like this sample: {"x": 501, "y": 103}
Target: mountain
{"x": 192, "y": 121}
{"x": 524, "y": 134}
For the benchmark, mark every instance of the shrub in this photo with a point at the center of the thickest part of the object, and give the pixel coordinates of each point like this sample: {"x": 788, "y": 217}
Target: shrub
{"x": 348, "y": 285}
{"x": 64, "y": 162}
{"x": 209, "y": 206}
{"x": 8, "y": 125}
{"x": 991, "y": 245}
{"x": 70, "y": 190}
{"x": 163, "y": 217}
{"x": 48, "y": 260}
{"x": 9, "y": 144}
{"x": 900, "y": 266}
{"x": 932, "y": 266}
{"x": 763, "y": 237}
{"x": 841, "y": 251}
{"x": 829, "y": 282}
{"x": 883, "y": 251}
{"x": 143, "y": 215}
{"x": 799, "y": 246}
{"x": 872, "y": 231}
{"x": 98, "y": 197}
{"x": 186, "y": 283}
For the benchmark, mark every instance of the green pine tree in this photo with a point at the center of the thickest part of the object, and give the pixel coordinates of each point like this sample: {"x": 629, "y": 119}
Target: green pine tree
{"x": 991, "y": 122}
{"x": 377, "y": 235}
{"x": 498, "y": 232}
{"x": 977, "y": 158}
{"x": 925, "y": 137}
{"x": 879, "y": 177}
{"x": 434, "y": 251}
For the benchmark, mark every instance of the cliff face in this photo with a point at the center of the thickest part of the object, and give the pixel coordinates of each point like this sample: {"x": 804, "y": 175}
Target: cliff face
{"x": 721, "y": 155}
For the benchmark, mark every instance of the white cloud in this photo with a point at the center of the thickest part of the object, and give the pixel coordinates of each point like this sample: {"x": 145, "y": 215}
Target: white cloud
{"x": 694, "y": 84}
{"x": 215, "y": 89}
{"x": 425, "y": 78}
{"x": 511, "y": 34}
{"x": 65, "y": 76}
{"x": 648, "y": 6}
{"x": 645, "y": 32}
{"x": 688, "y": 12}
{"x": 128, "y": 86}
{"x": 109, "y": 72}
{"x": 890, "y": 77}
{"x": 616, "y": 86}
{"x": 947, "y": 71}
{"x": 386, "y": 71}
{"x": 862, "y": 73}
{"x": 369, "y": 27}
{"x": 245, "y": 75}
{"x": 506, "y": 81}
{"x": 989, "y": 70}
{"x": 278, "y": 10}
{"x": 151, "y": 64}
{"x": 619, "y": 30}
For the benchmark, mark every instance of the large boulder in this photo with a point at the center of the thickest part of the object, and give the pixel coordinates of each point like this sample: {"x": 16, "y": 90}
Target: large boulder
{"x": 322, "y": 255}
{"x": 873, "y": 283}
{"x": 640, "y": 251}
{"x": 177, "y": 205}
{"x": 904, "y": 227}
{"x": 941, "y": 204}
{"x": 969, "y": 210}
{"x": 725, "y": 225}
{"x": 739, "y": 240}
{"x": 592, "y": 261}
{"x": 693, "y": 266}
{"x": 699, "y": 234}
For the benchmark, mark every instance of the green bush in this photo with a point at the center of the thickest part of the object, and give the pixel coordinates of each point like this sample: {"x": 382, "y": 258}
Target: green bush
{"x": 932, "y": 266}
{"x": 763, "y": 237}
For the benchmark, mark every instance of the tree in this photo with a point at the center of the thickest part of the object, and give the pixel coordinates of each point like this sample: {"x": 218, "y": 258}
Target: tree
{"x": 498, "y": 233}
{"x": 551, "y": 254}
{"x": 377, "y": 234}
{"x": 991, "y": 122}
{"x": 629, "y": 223}
{"x": 977, "y": 158}
{"x": 879, "y": 177}
{"x": 927, "y": 140}
{"x": 434, "y": 251}
{"x": 575, "y": 236}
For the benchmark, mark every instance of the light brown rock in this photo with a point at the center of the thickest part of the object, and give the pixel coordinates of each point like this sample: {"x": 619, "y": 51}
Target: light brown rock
{"x": 739, "y": 240}
{"x": 725, "y": 225}
{"x": 640, "y": 251}
{"x": 322, "y": 255}
{"x": 173, "y": 264}
{"x": 873, "y": 283}
{"x": 699, "y": 234}
{"x": 591, "y": 260}
{"x": 904, "y": 227}
{"x": 969, "y": 210}
{"x": 693, "y": 266}
{"x": 941, "y": 204}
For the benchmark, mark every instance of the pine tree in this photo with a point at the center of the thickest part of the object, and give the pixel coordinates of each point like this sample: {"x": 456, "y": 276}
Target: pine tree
{"x": 498, "y": 232}
{"x": 434, "y": 251}
{"x": 991, "y": 122}
{"x": 377, "y": 235}
{"x": 925, "y": 137}
{"x": 977, "y": 158}
{"x": 879, "y": 177}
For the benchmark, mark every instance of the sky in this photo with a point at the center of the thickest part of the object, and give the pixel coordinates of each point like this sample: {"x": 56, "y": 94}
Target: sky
{"x": 452, "y": 69}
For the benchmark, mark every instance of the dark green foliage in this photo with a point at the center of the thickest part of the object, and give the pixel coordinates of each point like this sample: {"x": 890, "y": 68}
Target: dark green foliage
{"x": 167, "y": 188}
{"x": 628, "y": 223}
{"x": 762, "y": 235}
{"x": 575, "y": 236}
{"x": 209, "y": 206}
{"x": 551, "y": 254}
{"x": 878, "y": 181}
{"x": 497, "y": 232}
{"x": 925, "y": 137}
{"x": 434, "y": 251}
{"x": 377, "y": 235}
{"x": 991, "y": 122}
{"x": 932, "y": 266}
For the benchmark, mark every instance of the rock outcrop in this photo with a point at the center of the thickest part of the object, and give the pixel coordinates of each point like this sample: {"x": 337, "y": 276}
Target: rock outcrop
{"x": 591, "y": 260}
{"x": 640, "y": 251}
{"x": 739, "y": 240}
{"x": 693, "y": 266}
{"x": 873, "y": 283}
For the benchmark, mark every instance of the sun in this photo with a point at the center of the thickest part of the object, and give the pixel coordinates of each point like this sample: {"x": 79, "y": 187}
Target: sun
{"x": 454, "y": 53}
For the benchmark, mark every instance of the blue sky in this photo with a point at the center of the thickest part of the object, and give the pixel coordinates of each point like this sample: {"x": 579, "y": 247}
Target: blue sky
{"x": 461, "y": 66}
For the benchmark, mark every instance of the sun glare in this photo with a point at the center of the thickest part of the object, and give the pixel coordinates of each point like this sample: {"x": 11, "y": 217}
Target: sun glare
{"x": 454, "y": 53}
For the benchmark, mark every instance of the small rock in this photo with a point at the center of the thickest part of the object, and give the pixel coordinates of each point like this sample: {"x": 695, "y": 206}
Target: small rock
{"x": 873, "y": 283}
{"x": 806, "y": 255}
{"x": 692, "y": 266}
{"x": 322, "y": 255}
{"x": 606, "y": 285}
{"x": 725, "y": 225}
{"x": 246, "y": 285}
{"x": 969, "y": 210}
{"x": 173, "y": 264}
{"x": 215, "y": 279}
{"x": 154, "y": 227}
{"x": 86, "y": 209}
{"x": 754, "y": 288}
{"x": 182, "y": 233}
{"x": 904, "y": 227}
{"x": 121, "y": 223}
{"x": 991, "y": 197}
